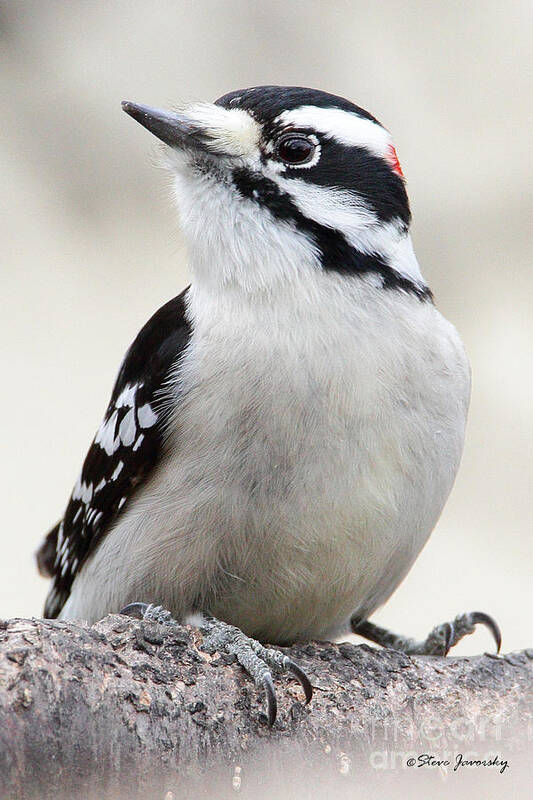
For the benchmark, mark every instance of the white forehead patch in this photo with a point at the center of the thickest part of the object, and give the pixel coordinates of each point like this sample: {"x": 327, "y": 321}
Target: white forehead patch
{"x": 346, "y": 127}
{"x": 234, "y": 132}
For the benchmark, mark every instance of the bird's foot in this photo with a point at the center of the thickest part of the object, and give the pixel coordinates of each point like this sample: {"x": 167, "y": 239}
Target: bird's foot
{"x": 150, "y": 612}
{"x": 256, "y": 659}
{"x": 438, "y": 642}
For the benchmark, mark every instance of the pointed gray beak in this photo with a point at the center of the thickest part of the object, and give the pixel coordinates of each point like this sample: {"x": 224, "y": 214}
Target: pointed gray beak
{"x": 173, "y": 128}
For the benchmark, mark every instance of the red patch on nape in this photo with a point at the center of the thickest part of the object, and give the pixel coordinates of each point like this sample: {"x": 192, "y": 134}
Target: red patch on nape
{"x": 393, "y": 160}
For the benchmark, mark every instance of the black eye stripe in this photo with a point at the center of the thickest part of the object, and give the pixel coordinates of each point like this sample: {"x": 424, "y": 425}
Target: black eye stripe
{"x": 335, "y": 252}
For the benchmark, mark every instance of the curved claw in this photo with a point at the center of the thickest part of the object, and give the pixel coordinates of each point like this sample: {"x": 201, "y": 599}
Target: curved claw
{"x": 479, "y": 617}
{"x": 136, "y": 610}
{"x": 302, "y": 677}
{"x": 450, "y": 635}
{"x": 272, "y": 703}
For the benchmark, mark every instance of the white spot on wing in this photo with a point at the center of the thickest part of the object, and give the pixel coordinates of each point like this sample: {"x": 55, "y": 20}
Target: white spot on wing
{"x": 117, "y": 471}
{"x": 60, "y": 535}
{"x": 83, "y": 491}
{"x": 146, "y": 416}
{"x": 127, "y": 396}
{"x": 76, "y": 492}
{"x": 127, "y": 429}
{"x": 139, "y": 441}
{"x": 106, "y": 435}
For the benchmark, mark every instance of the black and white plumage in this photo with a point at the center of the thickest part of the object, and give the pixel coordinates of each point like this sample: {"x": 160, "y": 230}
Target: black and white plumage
{"x": 124, "y": 450}
{"x": 283, "y": 436}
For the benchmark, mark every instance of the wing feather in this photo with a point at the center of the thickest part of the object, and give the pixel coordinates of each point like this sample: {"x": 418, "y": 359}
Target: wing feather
{"x": 123, "y": 452}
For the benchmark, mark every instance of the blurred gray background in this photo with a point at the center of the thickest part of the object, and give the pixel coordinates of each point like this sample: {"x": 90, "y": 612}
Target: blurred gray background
{"x": 90, "y": 244}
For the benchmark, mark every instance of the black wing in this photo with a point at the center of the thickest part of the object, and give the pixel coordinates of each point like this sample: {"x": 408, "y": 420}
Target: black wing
{"x": 124, "y": 450}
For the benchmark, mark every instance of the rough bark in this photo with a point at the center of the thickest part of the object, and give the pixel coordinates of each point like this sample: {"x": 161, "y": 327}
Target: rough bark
{"x": 134, "y": 709}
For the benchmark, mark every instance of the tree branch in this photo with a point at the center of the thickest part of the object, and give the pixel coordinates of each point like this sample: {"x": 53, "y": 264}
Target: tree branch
{"x": 126, "y": 707}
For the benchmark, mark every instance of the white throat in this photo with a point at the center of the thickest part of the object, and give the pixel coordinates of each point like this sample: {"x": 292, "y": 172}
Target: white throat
{"x": 233, "y": 242}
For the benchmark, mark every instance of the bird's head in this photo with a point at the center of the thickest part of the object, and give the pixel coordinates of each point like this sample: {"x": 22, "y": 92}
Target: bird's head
{"x": 273, "y": 182}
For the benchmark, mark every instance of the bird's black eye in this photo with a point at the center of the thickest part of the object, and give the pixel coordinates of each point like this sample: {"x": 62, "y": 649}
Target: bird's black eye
{"x": 295, "y": 148}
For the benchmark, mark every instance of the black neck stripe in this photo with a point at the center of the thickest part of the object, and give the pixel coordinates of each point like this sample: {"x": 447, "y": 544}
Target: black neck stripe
{"x": 335, "y": 251}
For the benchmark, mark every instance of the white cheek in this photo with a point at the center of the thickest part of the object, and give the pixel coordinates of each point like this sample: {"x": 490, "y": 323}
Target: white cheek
{"x": 344, "y": 211}
{"x": 333, "y": 208}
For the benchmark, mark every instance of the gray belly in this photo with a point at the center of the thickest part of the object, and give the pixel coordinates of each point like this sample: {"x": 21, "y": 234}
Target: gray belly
{"x": 290, "y": 496}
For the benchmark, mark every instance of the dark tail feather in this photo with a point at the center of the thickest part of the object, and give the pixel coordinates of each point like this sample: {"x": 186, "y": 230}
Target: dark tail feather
{"x": 46, "y": 554}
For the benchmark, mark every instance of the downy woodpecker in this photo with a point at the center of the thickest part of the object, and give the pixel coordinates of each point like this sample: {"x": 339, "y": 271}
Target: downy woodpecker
{"x": 283, "y": 435}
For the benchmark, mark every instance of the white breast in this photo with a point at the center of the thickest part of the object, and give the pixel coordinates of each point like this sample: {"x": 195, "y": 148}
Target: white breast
{"x": 311, "y": 449}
